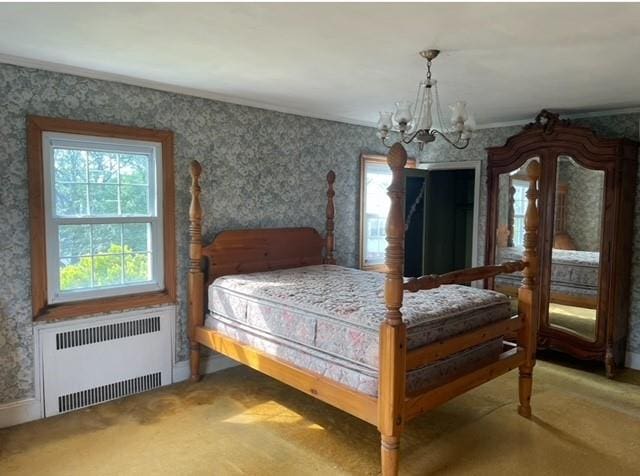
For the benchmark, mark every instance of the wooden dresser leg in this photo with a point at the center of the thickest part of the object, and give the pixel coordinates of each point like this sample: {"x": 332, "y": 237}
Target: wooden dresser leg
{"x": 389, "y": 453}
{"x": 609, "y": 363}
{"x": 525, "y": 386}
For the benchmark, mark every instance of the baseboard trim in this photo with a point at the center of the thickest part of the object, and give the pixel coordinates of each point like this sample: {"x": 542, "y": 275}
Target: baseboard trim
{"x": 213, "y": 363}
{"x": 21, "y": 411}
{"x": 633, "y": 360}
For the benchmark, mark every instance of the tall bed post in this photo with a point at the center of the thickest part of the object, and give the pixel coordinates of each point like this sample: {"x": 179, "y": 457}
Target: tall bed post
{"x": 527, "y": 294}
{"x": 196, "y": 276}
{"x": 330, "y": 241}
{"x": 391, "y": 384}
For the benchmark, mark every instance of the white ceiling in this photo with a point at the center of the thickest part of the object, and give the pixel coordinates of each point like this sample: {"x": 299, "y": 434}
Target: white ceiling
{"x": 348, "y": 61}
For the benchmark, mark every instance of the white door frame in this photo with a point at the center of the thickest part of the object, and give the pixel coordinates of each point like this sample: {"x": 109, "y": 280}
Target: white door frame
{"x": 464, "y": 165}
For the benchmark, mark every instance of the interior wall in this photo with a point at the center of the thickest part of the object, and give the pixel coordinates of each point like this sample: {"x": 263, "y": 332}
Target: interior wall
{"x": 261, "y": 169}
{"x": 622, "y": 125}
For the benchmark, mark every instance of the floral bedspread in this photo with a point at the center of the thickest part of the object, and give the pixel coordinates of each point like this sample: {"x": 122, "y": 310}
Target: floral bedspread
{"x": 572, "y": 272}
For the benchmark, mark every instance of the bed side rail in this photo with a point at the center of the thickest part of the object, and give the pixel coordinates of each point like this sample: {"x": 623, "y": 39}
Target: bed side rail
{"x": 462, "y": 276}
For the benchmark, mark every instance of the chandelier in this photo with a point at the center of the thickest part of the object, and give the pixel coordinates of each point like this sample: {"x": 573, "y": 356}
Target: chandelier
{"x": 414, "y": 123}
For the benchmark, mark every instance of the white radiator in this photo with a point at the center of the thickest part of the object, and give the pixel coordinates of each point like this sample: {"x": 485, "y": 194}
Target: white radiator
{"x": 100, "y": 359}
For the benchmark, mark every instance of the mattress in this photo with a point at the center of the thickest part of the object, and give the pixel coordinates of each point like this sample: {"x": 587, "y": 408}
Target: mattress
{"x": 326, "y": 319}
{"x": 573, "y": 273}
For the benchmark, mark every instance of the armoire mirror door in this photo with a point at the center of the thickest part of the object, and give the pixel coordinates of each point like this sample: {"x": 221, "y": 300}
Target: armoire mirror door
{"x": 574, "y": 274}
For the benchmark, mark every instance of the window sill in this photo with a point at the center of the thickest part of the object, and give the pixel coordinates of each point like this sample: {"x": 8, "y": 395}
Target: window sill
{"x": 382, "y": 268}
{"x": 56, "y": 312}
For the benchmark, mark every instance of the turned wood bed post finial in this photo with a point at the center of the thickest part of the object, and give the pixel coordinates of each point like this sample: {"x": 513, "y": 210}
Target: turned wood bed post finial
{"x": 330, "y": 241}
{"x": 528, "y": 292}
{"x": 394, "y": 256}
{"x": 392, "y": 367}
{"x": 196, "y": 276}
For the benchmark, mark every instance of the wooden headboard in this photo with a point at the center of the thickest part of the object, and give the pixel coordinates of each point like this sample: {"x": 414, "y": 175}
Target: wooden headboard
{"x": 251, "y": 251}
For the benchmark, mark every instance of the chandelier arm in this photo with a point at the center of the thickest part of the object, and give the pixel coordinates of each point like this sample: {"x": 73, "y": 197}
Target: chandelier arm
{"x": 453, "y": 144}
{"x": 407, "y": 139}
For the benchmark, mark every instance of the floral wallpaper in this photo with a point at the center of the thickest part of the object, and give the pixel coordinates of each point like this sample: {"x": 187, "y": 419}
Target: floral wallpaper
{"x": 585, "y": 192}
{"x": 261, "y": 169}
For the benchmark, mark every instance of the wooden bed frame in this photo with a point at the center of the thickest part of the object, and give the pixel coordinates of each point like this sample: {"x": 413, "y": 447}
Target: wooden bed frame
{"x": 267, "y": 249}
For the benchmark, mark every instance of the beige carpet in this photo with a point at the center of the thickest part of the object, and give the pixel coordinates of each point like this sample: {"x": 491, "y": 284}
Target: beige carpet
{"x": 238, "y": 422}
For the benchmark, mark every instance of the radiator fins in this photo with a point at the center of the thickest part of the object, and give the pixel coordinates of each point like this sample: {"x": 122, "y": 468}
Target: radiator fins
{"x": 118, "y": 330}
{"x": 105, "y": 393}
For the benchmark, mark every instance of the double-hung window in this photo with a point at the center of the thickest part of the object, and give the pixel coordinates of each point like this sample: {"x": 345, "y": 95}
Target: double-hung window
{"x": 104, "y": 212}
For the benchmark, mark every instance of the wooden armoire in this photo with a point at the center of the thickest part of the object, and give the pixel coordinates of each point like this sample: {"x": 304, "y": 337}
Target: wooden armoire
{"x": 584, "y": 292}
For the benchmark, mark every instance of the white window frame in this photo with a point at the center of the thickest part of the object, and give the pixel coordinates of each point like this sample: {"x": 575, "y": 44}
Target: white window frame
{"x": 155, "y": 219}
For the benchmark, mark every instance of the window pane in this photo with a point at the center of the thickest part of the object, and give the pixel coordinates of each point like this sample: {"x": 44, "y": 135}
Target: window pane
{"x": 377, "y": 180}
{"x": 71, "y": 199}
{"x": 103, "y": 199}
{"x": 107, "y": 239}
{"x": 70, "y": 165}
{"x": 94, "y": 183}
{"x": 134, "y": 169}
{"x": 75, "y": 273}
{"x": 136, "y": 237}
{"x": 134, "y": 199}
{"x": 136, "y": 267}
{"x": 107, "y": 270}
{"x": 376, "y": 240}
{"x": 103, "y": 167}
{"x": 74, "y": 240}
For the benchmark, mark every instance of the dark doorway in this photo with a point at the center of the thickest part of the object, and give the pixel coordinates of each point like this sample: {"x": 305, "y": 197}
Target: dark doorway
{"x": 439, "y": 220}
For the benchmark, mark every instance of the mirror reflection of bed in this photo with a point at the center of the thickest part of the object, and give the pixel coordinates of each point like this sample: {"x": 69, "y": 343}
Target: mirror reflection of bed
{"x": 573, "y": 281}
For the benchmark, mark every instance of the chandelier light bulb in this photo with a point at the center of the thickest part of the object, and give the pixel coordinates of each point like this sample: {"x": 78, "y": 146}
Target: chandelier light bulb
{"x": 459, "y": 112}
{"x": 384, "y": 121}
{"x": 403, "y": 113}
{"x": 469, "y": 127}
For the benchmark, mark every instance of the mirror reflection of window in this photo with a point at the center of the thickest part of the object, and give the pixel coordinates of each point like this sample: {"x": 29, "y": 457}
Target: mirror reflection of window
{"x": 519, "y": 210}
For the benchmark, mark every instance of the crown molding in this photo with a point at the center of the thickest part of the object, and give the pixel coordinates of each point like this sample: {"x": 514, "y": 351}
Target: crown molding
{"x": 577, "y": 115}
{"x": 171, "y": 88}
{"x": 146, "y": 83}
